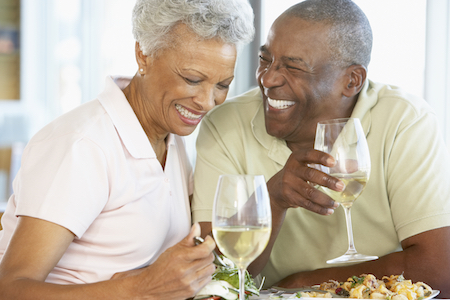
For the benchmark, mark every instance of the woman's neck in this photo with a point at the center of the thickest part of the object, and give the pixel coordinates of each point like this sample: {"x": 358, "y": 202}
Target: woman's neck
{"x": 157, "y": 140}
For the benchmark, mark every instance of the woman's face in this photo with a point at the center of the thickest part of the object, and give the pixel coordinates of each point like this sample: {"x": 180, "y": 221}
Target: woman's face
{"x": 181, "y": 84}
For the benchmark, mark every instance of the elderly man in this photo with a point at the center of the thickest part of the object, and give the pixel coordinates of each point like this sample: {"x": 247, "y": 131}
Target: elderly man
{"x": 313, "y": 67}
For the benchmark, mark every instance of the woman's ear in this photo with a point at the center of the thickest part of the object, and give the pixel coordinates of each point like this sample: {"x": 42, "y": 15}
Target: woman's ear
{"x": 141, "y": 59}
{"x": 356, "y": 75}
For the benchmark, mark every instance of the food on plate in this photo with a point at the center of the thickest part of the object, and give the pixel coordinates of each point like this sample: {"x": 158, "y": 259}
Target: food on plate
{"x": 313, "y": 295}
{"x": 367, "y": 286}
{"x": 225, "y": 284}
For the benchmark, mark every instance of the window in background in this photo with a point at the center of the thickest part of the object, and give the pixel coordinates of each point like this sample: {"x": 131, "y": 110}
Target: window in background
{"x": 437, "y": 72}
{"x": 116, "y": 41}
{"x": 9, "y": 49}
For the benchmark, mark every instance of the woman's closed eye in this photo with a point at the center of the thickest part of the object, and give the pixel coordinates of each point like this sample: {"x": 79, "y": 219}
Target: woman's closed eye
{"x": 193, "y": 81}
{"x": 223, "y": 86}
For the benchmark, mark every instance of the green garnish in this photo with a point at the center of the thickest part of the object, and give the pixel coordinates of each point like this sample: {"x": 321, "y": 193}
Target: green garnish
{"x": 357, "y": 280}
{"x": 231, "y": 275}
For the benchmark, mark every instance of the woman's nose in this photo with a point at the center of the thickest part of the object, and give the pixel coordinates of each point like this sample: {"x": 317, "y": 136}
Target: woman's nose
{"x": 206, "y": 99}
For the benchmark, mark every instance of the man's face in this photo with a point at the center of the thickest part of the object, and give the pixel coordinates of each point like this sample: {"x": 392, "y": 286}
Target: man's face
{"x": 299, "y": 83}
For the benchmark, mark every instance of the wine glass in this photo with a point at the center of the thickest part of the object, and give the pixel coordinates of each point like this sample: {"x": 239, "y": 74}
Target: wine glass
{"x": 345, "y": 140}
{"x": 242, "y": 220}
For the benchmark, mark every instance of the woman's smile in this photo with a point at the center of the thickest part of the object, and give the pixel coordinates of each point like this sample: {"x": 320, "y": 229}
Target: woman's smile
{"x": 189, "y": 116}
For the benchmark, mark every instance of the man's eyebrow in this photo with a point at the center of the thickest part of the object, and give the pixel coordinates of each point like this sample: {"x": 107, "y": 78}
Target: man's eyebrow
{"x": 263, "y": 48}
{"x": 296, "y": 60}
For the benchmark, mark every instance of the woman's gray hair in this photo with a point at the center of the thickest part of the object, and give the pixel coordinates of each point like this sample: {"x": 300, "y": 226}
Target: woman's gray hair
{"x": 229, "y": 20}
{"x": 350, "y": 36}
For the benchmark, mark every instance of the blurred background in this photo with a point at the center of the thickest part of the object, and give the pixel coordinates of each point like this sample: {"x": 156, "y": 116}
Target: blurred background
{"x": 55, "y": 55}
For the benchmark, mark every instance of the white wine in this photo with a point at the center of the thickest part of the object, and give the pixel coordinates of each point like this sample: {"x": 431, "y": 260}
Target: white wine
{"x": 353, "y": 188}
{"x": 241, "y": 244}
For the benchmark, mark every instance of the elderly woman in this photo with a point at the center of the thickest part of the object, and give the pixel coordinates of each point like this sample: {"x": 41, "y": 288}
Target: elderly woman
{"x": 101, "y": 204}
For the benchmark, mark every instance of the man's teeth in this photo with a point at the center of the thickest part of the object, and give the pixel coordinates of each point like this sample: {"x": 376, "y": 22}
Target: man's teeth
{"x": 187, "y": 114}
{"x": 280, "y": 104}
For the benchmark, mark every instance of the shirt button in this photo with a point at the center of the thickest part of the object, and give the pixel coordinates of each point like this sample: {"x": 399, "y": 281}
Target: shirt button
{"x": 166, "y": 180}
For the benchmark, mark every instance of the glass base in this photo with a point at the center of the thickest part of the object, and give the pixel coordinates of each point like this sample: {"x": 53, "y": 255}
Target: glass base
{"x": 354, "y": 257}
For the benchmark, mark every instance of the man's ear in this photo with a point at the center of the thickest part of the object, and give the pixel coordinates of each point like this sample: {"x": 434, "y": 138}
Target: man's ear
{"x": 141, "y": 59}
{"x": 356, "y": 76}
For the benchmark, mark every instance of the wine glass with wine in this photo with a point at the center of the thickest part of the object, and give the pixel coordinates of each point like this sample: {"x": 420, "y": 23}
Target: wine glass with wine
{"x": 242, "y": 220}
{"x": 345, "y": 140}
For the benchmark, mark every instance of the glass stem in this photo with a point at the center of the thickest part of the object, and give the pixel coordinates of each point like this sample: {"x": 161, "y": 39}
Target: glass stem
{"x": 241, "y": 283}
{"x": 348, "y": 219}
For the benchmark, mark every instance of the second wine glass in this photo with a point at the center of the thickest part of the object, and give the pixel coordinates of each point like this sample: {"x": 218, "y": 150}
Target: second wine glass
{"x": 242, "y": 220}
{"x": 345, "y": 140}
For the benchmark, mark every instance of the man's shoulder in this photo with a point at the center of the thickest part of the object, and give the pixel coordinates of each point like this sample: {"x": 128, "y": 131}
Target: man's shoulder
{"x": 392, "y": 97}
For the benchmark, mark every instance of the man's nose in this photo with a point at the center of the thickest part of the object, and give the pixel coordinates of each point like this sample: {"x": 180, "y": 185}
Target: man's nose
{"x": 271, "y": 76}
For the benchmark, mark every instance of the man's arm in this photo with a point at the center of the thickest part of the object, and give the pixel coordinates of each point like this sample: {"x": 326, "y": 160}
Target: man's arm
{"x": 425, "y": 257}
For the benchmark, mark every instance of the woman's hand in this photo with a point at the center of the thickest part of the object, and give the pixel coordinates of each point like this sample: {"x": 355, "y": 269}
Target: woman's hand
{"x": 179, "y": 273}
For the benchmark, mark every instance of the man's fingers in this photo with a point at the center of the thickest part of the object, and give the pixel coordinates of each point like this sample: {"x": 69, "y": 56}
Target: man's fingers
{"x": 317, "y": 177}
{"x": 316, "y": 201}
{"x": 303, "y": 193}
{"x": 317, "y": 157}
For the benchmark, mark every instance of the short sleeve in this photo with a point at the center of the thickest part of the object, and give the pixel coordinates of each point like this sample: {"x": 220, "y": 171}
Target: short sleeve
{"x": 418, "y": 170}
{"x": 63, "y": 181}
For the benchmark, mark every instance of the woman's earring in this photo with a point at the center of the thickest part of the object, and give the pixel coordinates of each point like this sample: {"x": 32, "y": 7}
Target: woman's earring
{"x": 141, "y": 70}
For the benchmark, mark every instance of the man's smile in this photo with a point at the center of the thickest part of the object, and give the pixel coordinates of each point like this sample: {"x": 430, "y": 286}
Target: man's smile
{"x": 280, "y": 104}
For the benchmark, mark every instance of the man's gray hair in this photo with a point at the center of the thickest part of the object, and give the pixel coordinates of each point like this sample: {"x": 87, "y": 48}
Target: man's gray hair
{"x": 350, "y": 37}
{"x": 228, "y": 20}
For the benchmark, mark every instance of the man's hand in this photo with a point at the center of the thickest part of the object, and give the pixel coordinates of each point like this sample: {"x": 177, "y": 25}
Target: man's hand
{"x": 293, "y": 186}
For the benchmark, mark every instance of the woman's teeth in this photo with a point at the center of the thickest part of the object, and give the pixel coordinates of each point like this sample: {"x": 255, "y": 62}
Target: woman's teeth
{"x": 280, "y": 104}
{"x": 187, "y": 114}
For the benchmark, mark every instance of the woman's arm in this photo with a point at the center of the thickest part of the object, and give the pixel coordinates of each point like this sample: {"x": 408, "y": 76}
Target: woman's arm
{"x": 37, "y": 245}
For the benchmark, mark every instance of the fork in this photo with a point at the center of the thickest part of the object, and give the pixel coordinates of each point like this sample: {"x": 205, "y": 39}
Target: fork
{"x": 217, "y": 259}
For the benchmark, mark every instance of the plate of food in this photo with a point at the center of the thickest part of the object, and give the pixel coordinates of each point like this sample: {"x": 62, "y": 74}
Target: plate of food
{"x": 365, "y": 286}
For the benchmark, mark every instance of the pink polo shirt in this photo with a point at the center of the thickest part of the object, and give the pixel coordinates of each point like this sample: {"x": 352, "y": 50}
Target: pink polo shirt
{"x": 94, "y": 172}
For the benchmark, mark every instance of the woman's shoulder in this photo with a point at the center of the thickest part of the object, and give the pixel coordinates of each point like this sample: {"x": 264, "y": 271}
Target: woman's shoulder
{"x": 77, "y": 123}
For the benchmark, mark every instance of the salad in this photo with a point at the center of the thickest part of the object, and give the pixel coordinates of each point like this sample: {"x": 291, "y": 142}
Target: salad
{"x": 225, "y": 284}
